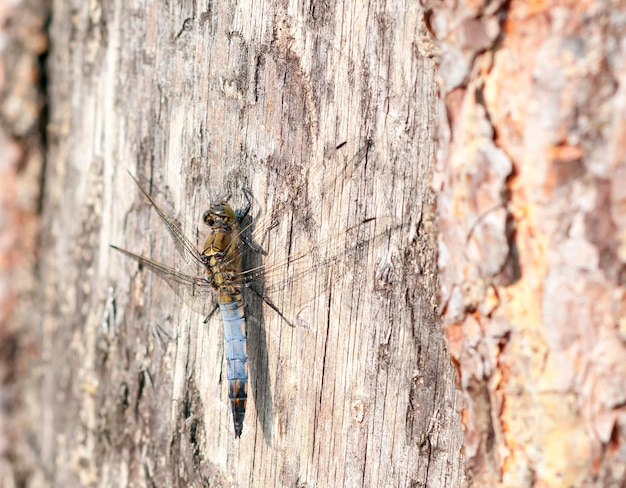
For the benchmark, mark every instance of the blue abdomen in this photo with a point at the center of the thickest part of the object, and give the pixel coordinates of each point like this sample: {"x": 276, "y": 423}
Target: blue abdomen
{"x": 236, "y": 356}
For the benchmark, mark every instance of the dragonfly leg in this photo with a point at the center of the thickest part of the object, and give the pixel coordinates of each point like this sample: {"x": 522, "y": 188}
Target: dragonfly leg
{"x": 242, "y": 214}
{"x": 271, "y": 305}
{"x": 208, "y": 317}
{"x": 252, "y": 245}
{"x": 225, "y": 197}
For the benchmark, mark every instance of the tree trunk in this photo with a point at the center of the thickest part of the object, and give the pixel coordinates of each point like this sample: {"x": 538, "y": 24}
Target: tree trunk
{"x": 198, "y": 99}
{"x": 23, "y": 42}
{"x": 532, "y": 222}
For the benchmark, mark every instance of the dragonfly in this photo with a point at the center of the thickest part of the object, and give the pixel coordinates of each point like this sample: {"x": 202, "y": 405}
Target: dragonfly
{"x": 220, "y": 277}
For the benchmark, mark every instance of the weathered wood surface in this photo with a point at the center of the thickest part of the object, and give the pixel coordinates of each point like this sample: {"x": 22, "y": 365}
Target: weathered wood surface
{"x": 199, "y": 99}
{"x": 532, "y": 222}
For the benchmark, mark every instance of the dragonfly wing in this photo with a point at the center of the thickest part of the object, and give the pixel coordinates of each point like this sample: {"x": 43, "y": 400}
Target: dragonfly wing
{"x": 257, "y": 231}
{"x": 196, "y": 291}
{"x": 185, "y": 247}
{"x": 277, "y": 277}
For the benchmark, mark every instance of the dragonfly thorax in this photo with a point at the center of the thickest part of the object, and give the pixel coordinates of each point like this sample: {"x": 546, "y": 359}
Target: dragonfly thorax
{"x": 222, "y": 258}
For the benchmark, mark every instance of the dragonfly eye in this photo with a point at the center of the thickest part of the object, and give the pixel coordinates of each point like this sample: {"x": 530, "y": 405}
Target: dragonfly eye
{"x": 219, "y": 213}
{"x": 207, "y": 218}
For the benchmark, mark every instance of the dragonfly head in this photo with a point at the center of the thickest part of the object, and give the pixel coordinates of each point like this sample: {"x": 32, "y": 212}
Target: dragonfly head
{"x": 219, "y": 215}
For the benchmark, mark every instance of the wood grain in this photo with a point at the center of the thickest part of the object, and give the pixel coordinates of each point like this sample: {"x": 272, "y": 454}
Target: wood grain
{"x": 201, "y": 99}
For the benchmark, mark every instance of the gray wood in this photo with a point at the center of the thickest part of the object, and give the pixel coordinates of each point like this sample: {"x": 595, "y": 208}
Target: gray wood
{"x": 198, "y": 99}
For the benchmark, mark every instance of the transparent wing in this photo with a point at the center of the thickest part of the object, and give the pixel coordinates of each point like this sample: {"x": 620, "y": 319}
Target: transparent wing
{"x": 322, "y": 253}
{"x": 318, "y": 252}
{"x": 196, "y": 291}
{"x": 271, "y": 276}
{"x": 277, "y": 278}
{"x": 185, "y": 246}
{"x": 333, "y": 178}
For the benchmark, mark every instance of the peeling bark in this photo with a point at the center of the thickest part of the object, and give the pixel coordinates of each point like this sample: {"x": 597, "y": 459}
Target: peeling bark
{"x": 531, "y": 247}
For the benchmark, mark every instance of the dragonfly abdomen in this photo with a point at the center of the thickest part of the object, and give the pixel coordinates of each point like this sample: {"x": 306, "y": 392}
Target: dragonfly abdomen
{"x": 232, "y": 308}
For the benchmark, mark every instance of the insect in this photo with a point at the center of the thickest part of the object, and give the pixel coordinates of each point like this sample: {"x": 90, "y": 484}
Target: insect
{"x": 222, "y": 277}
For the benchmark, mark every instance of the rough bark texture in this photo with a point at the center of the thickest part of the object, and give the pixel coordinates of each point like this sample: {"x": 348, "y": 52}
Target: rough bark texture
{"x": 532, "y": 247}
{"x": 198, "y": 98}
{"x": 23, "y": 40}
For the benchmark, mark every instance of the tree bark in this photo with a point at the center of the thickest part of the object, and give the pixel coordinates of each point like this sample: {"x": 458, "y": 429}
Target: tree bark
{"x": 23, "y": 43}
{"x": 199, "y": 99}
{"x": 532, "y": 222}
